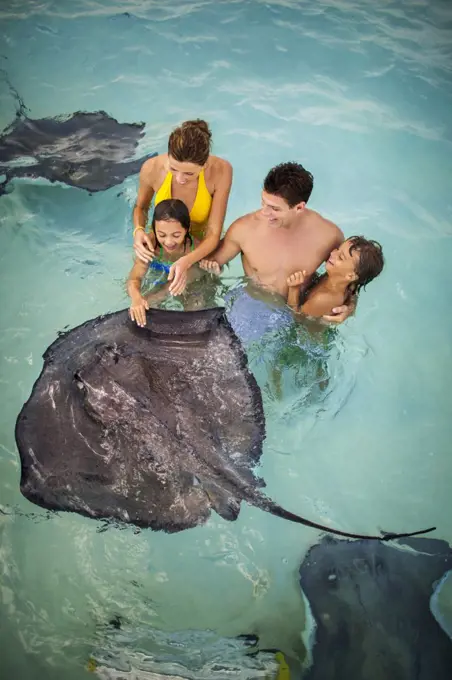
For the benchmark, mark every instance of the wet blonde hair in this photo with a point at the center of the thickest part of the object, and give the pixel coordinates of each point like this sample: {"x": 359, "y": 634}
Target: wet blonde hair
{"x": 190, "y": 142}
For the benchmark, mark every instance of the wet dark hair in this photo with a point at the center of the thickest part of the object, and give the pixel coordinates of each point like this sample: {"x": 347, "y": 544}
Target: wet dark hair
{"x": 291, "y": 182}
{"x": 172, "y": 210}
{"x": 191, "y": 142}
{"x": 369, "y": 265}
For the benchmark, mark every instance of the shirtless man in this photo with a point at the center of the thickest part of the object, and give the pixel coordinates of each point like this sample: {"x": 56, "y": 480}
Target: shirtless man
{"x": 283, "y": 237}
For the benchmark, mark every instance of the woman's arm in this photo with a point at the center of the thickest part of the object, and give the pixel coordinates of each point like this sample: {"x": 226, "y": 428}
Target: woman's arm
{"x": 177, "y": 274}
{"x": 142, "y": 242}
{"x": 216, "y": 217}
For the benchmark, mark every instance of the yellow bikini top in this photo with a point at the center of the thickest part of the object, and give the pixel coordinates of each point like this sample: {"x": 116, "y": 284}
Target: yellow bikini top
{"x": 200, "y": 212}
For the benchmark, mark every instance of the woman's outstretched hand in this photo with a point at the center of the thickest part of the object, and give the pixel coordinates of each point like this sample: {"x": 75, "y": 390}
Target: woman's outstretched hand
{"x": 178, "y": 276}
{"x": 142, "y": 246}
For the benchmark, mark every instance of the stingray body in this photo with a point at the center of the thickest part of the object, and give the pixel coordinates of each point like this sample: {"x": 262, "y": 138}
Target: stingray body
{"x": 90, "y": 151}
{"x": 370, "y": 601}
{"x": 155, "y": 426}
{"x": 145, "y": 653}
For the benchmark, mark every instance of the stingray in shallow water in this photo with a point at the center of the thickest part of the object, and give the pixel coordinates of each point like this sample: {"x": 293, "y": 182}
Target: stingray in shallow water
{"x": 155, "y": 426}
{"x": 129, "y": 652}
{"x": 370, "y": 602}
{"x": 90, "y": 151}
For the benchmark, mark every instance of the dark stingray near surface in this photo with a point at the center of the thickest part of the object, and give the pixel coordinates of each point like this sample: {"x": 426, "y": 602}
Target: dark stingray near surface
{"x": 130, "y": 652}
{"x": 154, "y": 426}
{"x": 90, "y": 151}
{"x": 370, "y": 601}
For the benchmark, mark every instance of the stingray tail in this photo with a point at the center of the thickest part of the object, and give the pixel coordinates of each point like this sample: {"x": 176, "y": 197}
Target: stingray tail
{"x": 277, "y": 510}
{"x": 21, "y": 109}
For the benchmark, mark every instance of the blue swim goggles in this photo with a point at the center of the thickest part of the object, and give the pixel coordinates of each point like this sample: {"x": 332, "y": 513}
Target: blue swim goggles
{"x": 160, "y": 266}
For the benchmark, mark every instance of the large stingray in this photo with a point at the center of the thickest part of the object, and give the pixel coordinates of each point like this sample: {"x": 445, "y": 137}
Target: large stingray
{"x": 154, "y": 426}
{"x": 131, "y": 652}
{"x": 90, "y": 151}
{"x": 371, "y": 606}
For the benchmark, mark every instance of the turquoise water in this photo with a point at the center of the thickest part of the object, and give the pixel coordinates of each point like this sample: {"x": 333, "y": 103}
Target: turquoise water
{"x": 361, "y": 94}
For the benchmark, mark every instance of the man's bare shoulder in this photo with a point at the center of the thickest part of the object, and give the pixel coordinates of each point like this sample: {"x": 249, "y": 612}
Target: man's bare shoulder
{"x": 327, "y": 227}
{"x": 243, "y": 225}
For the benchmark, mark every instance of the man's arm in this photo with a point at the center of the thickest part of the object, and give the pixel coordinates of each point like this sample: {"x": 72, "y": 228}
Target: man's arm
{"x": 340, "y": 314}
{"x": 230, "y": 246}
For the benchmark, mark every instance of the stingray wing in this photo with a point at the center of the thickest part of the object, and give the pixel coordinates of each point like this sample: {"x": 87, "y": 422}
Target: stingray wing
{"x": 141, "y": 424}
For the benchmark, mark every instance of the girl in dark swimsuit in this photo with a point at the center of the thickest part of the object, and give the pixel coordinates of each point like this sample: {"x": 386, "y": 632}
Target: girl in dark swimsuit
{"x": 171, "y": 240}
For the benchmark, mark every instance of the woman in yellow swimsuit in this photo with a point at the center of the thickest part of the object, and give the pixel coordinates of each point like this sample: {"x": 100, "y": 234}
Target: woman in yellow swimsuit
{"x": 192, "y": 174}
